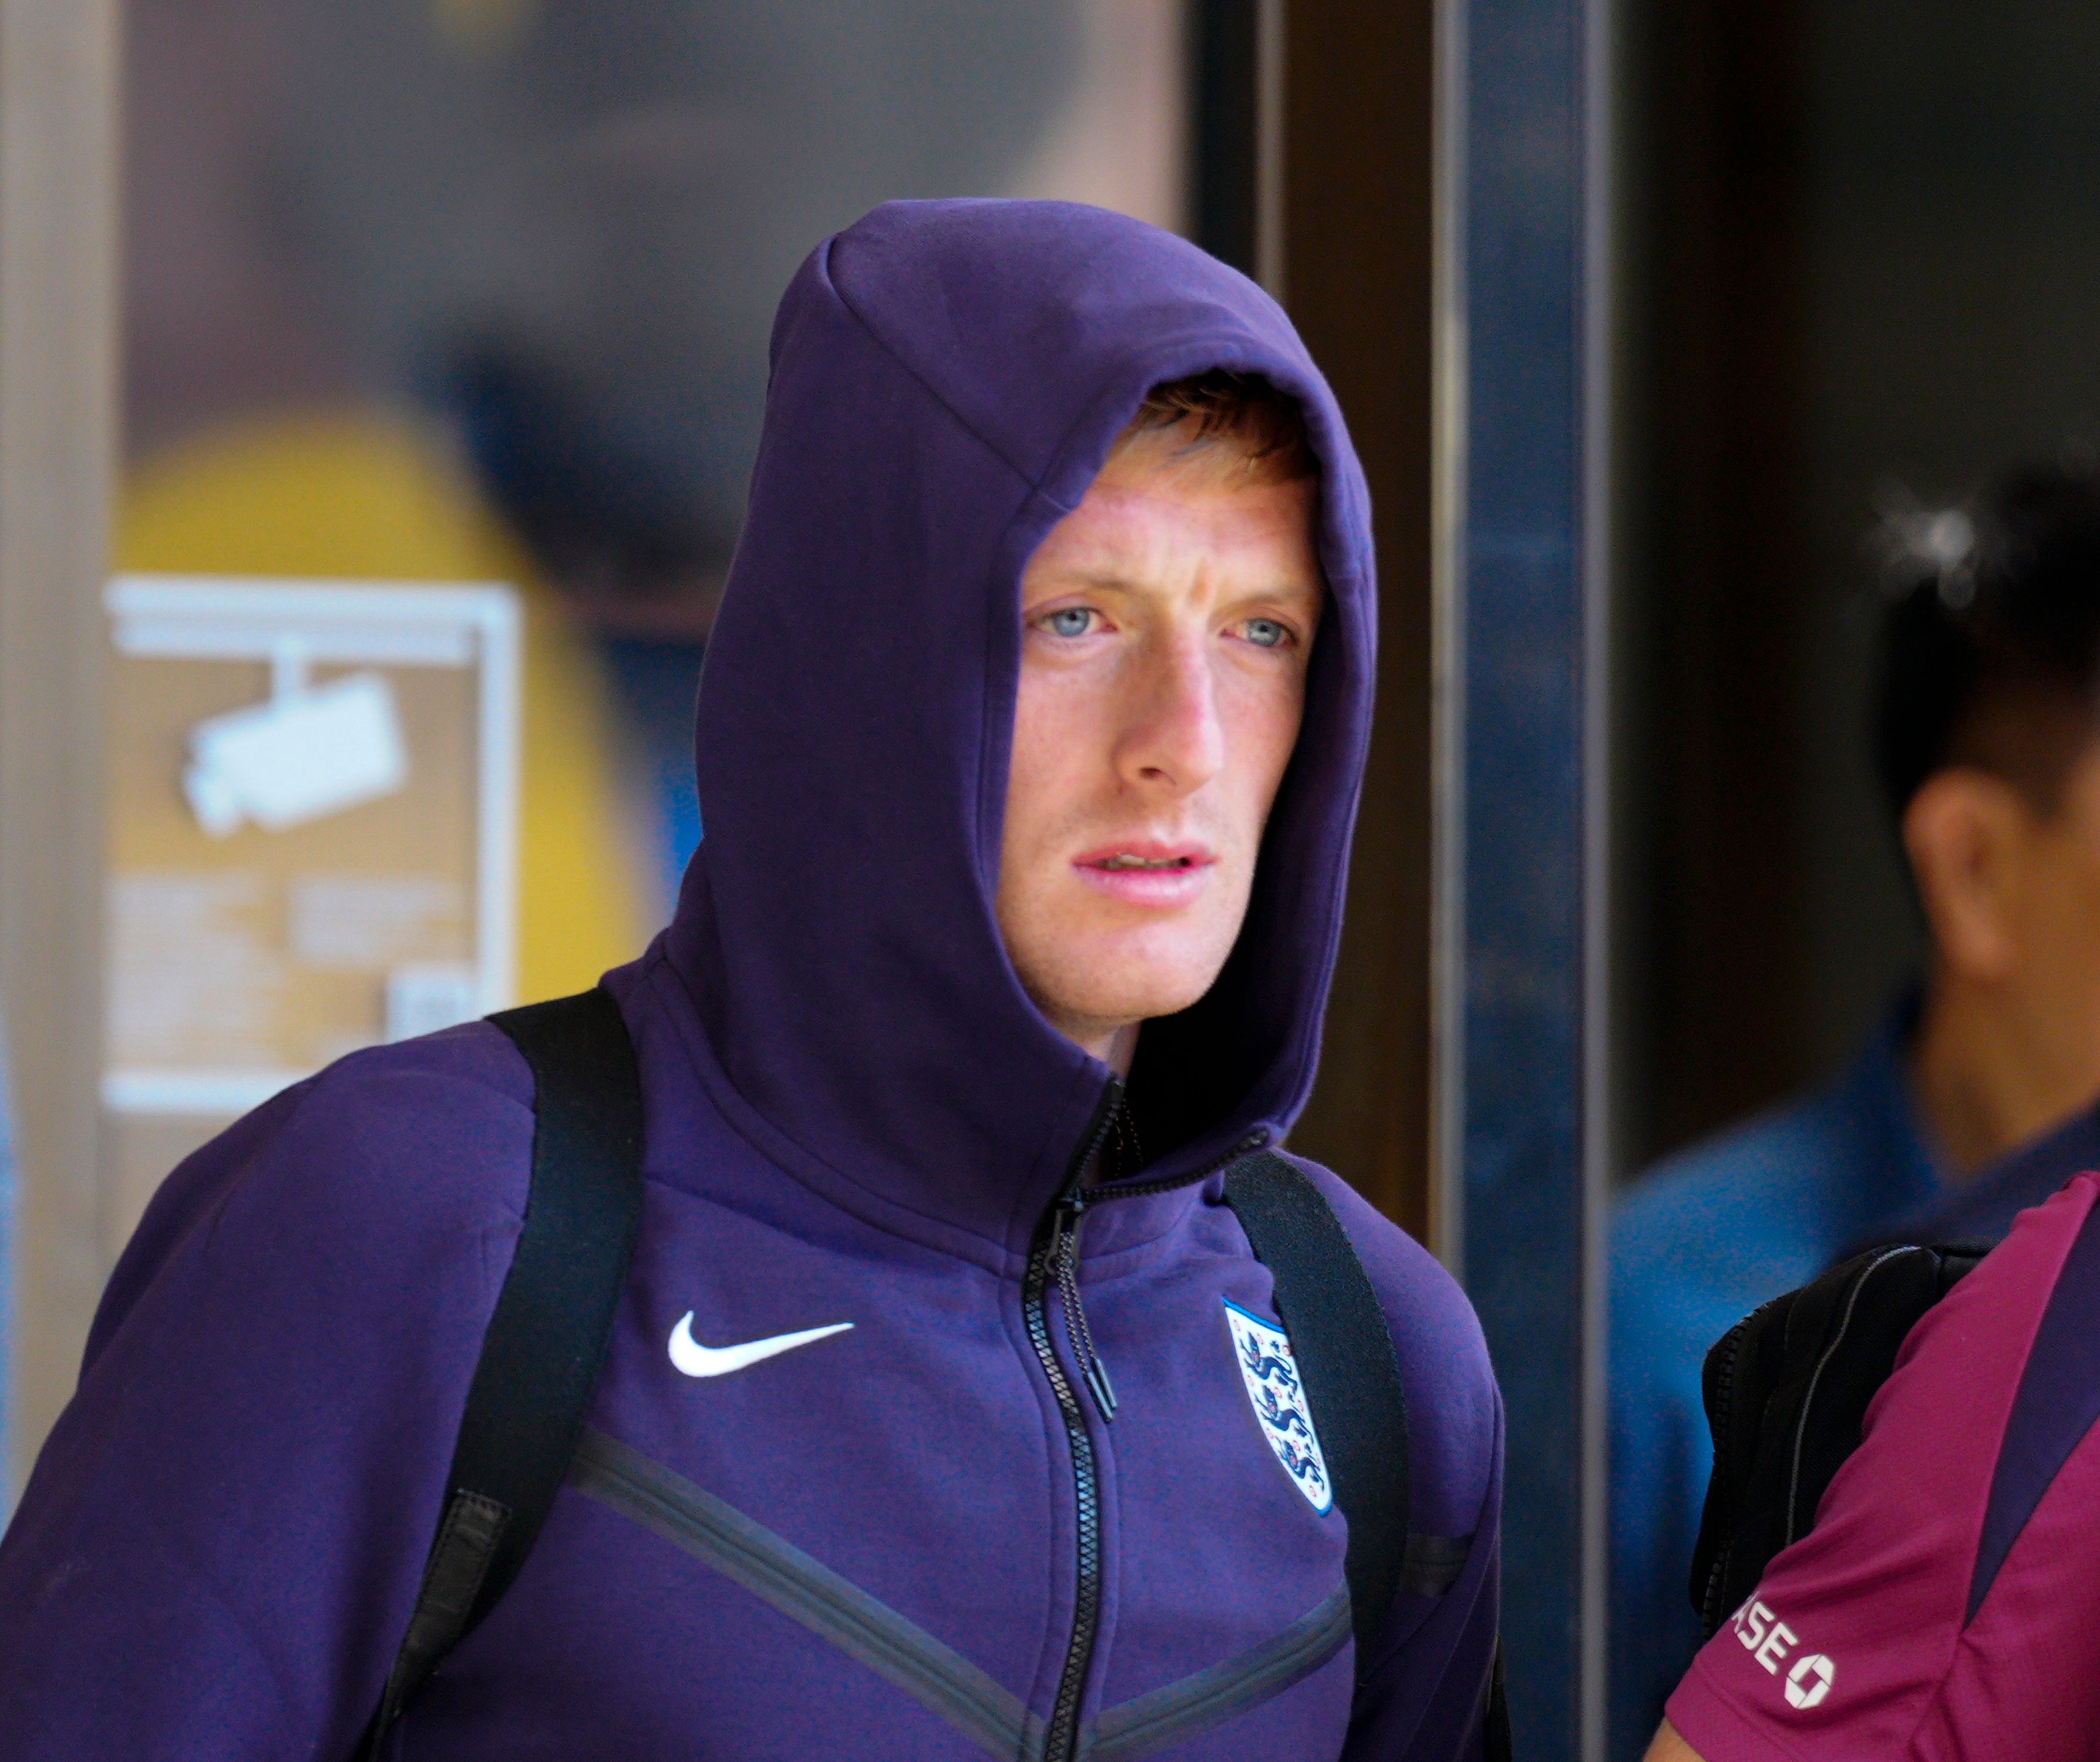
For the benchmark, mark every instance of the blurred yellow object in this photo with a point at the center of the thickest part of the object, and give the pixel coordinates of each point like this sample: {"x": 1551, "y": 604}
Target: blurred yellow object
{"x": 478, "y": 28}
{"x": 370, "y": 496}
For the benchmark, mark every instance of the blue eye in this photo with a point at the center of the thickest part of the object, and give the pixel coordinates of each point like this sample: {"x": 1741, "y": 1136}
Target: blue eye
{"x": 1266, "y": 633}
{"x": 1072, "y": 620}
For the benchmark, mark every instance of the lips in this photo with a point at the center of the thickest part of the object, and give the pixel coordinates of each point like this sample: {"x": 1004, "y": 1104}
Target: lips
{"x": 1149, "y": 872}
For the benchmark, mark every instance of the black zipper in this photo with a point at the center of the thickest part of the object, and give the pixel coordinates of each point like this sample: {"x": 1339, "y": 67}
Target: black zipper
{"x": 1054, "y": 1259}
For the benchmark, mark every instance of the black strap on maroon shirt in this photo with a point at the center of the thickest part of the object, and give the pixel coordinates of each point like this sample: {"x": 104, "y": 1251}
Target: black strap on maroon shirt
{"x": 546, "y": 1341}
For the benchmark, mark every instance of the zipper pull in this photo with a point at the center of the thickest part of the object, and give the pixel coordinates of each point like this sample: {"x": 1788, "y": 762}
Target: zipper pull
{"x": 1054, "y": 1249}
{"x": 1064, "y": 1262}
{"x": 1104, "y": 1391}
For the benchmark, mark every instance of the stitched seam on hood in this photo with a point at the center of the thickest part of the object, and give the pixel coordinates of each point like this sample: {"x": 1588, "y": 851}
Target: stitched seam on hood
{"x": 1011, "y": 1264}
{"x": 911, "y": 373}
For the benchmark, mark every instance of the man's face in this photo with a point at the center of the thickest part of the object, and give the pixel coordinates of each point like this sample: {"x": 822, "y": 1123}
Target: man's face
{"x": 2053, "y": 916}
{"x": 1166, "y": 625}
{"x": 2010, "y": 1043}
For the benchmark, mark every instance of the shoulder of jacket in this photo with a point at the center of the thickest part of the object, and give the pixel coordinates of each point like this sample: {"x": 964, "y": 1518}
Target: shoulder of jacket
{"x": 426, "y": 1138}
{"x": 444, "y": 1121}
{"x": 455, "y": 1106}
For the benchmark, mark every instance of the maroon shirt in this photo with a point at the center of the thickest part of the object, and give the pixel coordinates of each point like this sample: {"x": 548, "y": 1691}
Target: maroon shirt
{"x": 1947, "y": 1604}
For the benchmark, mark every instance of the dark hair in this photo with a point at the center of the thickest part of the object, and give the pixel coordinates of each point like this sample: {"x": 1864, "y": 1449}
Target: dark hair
{"x": 1242, "y": 411}
{"x": 1991, "y": 642}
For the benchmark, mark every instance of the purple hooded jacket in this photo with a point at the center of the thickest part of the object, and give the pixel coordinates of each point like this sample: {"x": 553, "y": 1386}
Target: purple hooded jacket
{"x": 885, "y": 1543}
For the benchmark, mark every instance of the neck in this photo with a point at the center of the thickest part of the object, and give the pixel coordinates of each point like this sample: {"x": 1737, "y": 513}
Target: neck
{"x": 1984, "y": 1074}
{"x": 1114, "y": 1044}
{"x": 1118, "y": 1049}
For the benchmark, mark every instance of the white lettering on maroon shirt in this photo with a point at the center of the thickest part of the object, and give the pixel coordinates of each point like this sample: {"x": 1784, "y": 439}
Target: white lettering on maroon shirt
{"x": 1809, "y": 1680}
{"x": 1769, "y": 1640}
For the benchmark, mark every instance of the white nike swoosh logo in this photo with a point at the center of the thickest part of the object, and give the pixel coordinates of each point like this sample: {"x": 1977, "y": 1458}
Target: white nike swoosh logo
{"x": 697, "y": 1360}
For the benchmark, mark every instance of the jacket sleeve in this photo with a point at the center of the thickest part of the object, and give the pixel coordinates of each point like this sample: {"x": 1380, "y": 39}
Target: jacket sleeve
{"x": 219, "y": 1549}
{"x": 1424, "y": 1697}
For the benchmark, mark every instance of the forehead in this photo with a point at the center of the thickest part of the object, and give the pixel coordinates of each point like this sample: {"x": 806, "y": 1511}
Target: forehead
{"x": 1160, "y": 511}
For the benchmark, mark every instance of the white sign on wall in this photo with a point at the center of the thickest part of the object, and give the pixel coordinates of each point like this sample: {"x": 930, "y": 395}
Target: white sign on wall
{"x": 313, "y": 826}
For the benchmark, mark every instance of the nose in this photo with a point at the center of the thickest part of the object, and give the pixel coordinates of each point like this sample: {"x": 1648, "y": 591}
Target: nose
{"x": 1174, "y": 740}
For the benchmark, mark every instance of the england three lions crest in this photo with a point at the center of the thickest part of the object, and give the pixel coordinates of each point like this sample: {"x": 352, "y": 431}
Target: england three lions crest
{"x": 1270, "y": 1371}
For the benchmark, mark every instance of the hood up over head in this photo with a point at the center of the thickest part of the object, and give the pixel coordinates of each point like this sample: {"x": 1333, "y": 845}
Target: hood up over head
{"x": 947, "y": 378}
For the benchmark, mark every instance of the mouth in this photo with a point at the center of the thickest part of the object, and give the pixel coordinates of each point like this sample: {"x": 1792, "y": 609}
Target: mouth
{"x": 1145, "y": 872}
{"x": 1143, "y": 854}
{"x": 1124, "y": 860}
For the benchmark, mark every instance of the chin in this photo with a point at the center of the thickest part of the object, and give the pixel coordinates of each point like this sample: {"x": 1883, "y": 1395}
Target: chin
{"x": 1097, "y": 965}
{"x": 1141, "y": 985}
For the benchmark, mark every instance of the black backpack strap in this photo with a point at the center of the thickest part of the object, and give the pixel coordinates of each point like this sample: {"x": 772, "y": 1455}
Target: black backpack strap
{"x": 1345, "y": 1360}
{"x": 546, "y": 1342}
{"x": 1786, "y": 1391}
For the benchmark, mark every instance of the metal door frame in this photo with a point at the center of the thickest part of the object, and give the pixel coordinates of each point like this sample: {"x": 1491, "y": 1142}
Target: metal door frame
{"x": 1522, "y": 545}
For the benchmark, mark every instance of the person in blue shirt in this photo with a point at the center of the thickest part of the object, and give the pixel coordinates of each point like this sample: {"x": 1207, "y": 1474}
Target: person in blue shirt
{"x": 1976, "y": 1086}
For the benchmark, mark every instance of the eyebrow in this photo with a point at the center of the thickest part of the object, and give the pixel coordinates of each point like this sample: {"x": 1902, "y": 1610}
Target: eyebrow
{"x": 1109, "y": 582}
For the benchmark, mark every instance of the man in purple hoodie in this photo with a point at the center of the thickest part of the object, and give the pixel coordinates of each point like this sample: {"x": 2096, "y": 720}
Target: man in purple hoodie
{"x": 1029, "y": 744}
